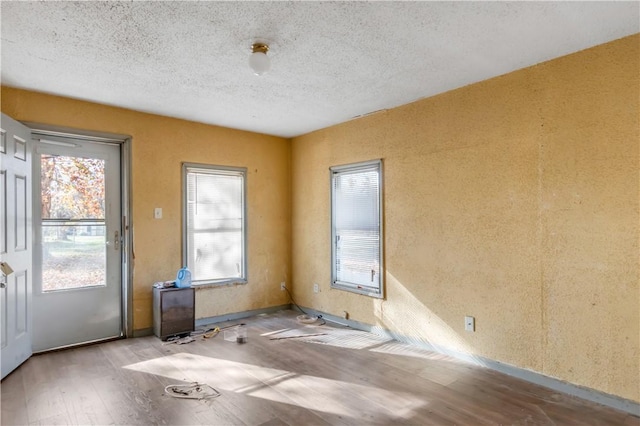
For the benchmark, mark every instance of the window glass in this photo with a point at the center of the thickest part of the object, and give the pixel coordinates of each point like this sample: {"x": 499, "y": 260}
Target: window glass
{"x": 356, "y": 228}
{"x": 214, "y": 228}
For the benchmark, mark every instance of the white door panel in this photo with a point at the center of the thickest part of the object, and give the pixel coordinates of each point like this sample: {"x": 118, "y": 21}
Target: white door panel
{"x": 15, "y": 244}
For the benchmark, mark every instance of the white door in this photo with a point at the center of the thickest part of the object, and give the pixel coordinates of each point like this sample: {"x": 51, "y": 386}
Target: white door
{"x": 15, "y": 244}
{"x": 77, "y": 234}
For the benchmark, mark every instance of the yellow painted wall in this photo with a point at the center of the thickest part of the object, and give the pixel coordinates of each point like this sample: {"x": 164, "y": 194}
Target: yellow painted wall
{"x": 159, "y": 146}
{"x": 515, "y": 200}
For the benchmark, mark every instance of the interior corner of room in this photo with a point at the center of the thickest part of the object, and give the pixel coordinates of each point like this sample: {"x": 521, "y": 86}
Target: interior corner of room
{"x": 510, "y": 217}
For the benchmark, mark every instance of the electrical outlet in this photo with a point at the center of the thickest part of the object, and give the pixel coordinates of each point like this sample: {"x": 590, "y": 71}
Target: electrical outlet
{"x": 157, "y": 213}
{"x": 283, "y": 287}
{"x": 316, "y": 288}
{"x": 469, "y": 323}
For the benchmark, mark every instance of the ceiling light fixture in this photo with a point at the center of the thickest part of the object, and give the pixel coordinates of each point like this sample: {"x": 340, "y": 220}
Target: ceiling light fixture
{"x": 259, "y": 61}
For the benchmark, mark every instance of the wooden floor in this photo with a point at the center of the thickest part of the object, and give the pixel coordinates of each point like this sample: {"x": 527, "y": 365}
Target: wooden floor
{"x": 340, "y": 377}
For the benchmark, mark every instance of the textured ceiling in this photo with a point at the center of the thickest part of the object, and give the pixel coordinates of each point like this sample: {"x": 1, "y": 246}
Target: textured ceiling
{"x": 331, "y": 61}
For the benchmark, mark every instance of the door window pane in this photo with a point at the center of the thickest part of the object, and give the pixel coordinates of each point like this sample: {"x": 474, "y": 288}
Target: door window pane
{"x": 73, "y": 226}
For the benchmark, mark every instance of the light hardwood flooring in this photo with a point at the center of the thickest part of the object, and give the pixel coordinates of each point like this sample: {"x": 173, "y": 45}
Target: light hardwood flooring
{"x": 342, "y": 377}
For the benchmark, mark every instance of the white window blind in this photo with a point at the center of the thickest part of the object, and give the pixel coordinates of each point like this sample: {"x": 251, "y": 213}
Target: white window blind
{"x": 356, "y": 228}
{"x": 214, "y": 243}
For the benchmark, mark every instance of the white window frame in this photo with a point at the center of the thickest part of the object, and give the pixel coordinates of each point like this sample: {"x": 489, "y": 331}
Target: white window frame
{"x": 376, "y": 289}
{"x": 223, "y": 170}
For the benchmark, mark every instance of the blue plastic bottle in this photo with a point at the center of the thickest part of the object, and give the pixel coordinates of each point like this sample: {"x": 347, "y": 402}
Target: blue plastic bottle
{"x": 183, "y": 279}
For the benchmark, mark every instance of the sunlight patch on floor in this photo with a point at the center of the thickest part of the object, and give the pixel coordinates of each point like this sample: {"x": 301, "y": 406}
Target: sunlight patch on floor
{"x": 311, "y": 392}
{"x": 405, "y": 349}
{"x": 347, "y": 338}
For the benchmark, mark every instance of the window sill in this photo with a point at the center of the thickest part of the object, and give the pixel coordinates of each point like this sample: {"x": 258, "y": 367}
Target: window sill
{"x": 225, "y": 283}
{"x": 357, "y": 290}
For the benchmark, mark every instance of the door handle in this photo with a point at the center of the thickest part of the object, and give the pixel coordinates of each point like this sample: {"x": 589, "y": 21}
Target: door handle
{"x": 116, "y": 241}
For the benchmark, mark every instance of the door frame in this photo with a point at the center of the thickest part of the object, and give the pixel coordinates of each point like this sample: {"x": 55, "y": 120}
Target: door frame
{"x": 127, "y": 254}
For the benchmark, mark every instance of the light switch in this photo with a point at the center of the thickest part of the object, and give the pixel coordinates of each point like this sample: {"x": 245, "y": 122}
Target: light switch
{"x": 157, "y": 213}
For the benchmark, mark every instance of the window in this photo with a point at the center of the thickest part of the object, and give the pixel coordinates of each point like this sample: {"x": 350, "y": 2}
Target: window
{"x": 214, "y": 223}
{"x": 356, "y": 228}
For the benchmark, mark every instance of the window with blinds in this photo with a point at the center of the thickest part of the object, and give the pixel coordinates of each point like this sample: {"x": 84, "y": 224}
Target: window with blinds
{"x": 214, "y": 223}
{"x": 356, "y": 228}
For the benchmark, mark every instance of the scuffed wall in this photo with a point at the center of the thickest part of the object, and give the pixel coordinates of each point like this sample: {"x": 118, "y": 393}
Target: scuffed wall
{"x": 159, "y": 146}
{"x": 514, "y": 200}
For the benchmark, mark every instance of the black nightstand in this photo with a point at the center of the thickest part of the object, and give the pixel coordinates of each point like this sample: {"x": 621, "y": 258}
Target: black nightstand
{"x": 173, "y": 312}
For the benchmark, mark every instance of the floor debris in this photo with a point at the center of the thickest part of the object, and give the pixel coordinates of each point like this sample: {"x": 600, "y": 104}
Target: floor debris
{"x": 180, "y": 341}
{"x": 298, "y": 336}
{"x": 192, "y": 391}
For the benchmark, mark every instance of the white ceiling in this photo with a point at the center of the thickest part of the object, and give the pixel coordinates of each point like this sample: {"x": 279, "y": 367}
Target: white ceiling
{"x": 331, "y": 61}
